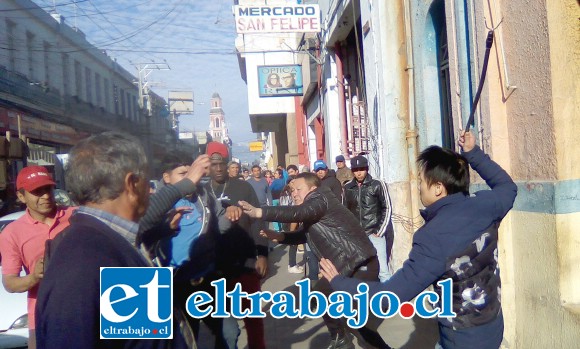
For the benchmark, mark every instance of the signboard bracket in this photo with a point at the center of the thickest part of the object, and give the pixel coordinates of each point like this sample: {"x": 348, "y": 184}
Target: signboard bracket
{"x": 317, "y": 60}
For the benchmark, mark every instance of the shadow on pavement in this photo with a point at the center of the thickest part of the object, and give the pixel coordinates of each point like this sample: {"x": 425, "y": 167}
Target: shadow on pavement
{"x": 287, "y": 333}
{"x": 425, "y": 335}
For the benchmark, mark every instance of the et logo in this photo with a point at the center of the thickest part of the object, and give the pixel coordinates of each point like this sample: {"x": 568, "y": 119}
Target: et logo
{"x": 136, "y": 303}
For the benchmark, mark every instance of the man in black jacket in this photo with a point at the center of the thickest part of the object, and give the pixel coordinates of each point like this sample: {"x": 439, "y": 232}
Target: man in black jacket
{"x": 194, "y": 229}
{"x": 332, "y": 233}
{"x": 242, "y": 252}
{"x": 368, "y": 199}
{"x": 328, "y": 179}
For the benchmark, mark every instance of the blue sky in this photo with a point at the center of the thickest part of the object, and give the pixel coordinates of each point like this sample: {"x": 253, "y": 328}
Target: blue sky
{"x": 195, "y": 38}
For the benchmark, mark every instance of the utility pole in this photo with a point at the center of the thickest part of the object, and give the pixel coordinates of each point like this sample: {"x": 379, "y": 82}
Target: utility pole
{"x": 144, "y": 70}
{"x": 180, "y": 102}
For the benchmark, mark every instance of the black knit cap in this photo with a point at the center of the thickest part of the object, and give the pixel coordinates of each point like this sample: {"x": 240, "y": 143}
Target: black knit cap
{"x": 359, "y": 161}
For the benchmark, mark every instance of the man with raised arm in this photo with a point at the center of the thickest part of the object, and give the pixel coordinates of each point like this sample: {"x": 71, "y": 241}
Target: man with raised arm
{"x": 457, "y": 242}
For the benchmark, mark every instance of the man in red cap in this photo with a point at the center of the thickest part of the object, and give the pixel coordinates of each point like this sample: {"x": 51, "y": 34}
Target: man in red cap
{"x": 243, "y": 253}
{"x": 22, "y": 241}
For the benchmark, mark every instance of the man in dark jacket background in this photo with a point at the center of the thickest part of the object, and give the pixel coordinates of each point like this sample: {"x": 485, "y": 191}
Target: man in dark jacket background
{"x": 332, "y": 233}
{"x": 368, "y": 200}
{"x": 328, "y": 178}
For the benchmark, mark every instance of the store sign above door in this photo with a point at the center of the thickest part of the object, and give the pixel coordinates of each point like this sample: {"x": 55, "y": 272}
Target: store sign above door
{"x": 277, "y": 19}
{"x": 280, "y": 80}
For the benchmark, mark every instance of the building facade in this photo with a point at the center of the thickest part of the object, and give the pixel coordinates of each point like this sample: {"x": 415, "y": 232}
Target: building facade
{"x": 56, "y": 88}
{"x": 419, "y": 64}
{"x": 268, "y": 64}
{"x": 389, "y": 78}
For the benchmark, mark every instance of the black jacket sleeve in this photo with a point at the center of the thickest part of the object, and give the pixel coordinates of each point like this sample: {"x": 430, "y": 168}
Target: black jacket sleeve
{"x": 349, "y": 198}
{"x": 68, "y": 304}
{"x": 336, "y": 188}
{"x": 313, "y": 208}
{"x": 295, "y": 237}
{"x": 382, "y": 197}
{"x": 151, "y": 227}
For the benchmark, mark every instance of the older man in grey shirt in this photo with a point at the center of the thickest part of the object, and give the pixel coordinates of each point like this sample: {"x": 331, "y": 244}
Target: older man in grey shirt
{"x": 260, "y": 186}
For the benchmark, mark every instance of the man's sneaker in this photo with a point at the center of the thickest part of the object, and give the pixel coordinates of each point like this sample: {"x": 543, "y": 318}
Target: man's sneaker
{"x": 300, "y": 248}
{"x": 344, "y": 342}
{"x": 297, "y": 269}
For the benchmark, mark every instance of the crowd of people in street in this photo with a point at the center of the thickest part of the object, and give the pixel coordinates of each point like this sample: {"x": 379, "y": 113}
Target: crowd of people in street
{"x": 213, "y": 219}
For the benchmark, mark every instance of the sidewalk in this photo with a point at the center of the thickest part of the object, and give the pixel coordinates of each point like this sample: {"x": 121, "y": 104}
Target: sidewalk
{"x": 311, "y": 333}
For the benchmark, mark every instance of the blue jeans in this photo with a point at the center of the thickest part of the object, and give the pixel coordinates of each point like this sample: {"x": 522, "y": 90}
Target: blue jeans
{"x": 313, "y": 268}
{"x": 231, "y": 332}
{"x": 380, "y": 244}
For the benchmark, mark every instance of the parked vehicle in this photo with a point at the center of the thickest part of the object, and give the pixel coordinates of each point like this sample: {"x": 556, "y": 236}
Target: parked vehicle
{"x": 63, "y": 198}
{"x": 4, "y": 221}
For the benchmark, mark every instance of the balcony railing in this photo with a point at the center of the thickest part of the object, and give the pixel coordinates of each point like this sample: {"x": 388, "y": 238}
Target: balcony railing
{"x": 79, "y": 111}
{"x": 40, "y": 99}
{"x": 18, "y": 85}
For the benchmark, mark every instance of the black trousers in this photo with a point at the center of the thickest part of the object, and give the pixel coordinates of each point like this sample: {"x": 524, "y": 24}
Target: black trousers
{"x": 182, "y": 290}
{"x": 338, "y": 327}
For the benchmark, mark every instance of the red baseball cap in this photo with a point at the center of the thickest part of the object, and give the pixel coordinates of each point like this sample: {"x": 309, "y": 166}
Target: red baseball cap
{"x": 217, "y": 149}
{"x": 33, "y": 177}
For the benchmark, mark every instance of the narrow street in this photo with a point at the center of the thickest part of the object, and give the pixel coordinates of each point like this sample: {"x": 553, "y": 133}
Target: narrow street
{"x": 289, "y": 333}
{"x": 444, "y": 131}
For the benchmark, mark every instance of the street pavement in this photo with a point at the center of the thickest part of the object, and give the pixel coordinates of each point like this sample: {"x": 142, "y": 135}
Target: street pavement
{"x": 415, "y": 333}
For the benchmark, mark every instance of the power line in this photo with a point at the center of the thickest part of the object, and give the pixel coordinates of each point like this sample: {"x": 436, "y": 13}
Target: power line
{"x": 128, "y": 36}
{"x": 154, "y": 49}
{"x": 87, "y": 13}
{"x": 177, "y": 13}
{"x": 43, "y": 8}
{"x": 113, "y": 41}
{"x": 98, "y": 25}
{"x": 113, "y": 25}
{"x": 90, "y": 13}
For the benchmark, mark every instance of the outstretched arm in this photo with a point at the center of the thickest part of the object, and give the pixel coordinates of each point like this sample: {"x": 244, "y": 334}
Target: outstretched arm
{"x": 309, "y": 211}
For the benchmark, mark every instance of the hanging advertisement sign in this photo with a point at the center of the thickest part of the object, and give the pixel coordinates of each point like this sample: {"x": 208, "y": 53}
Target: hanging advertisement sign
{"x": 257, "y": 146}
{"x": 286, "y": 18}
{"x": 280, "y": 80}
